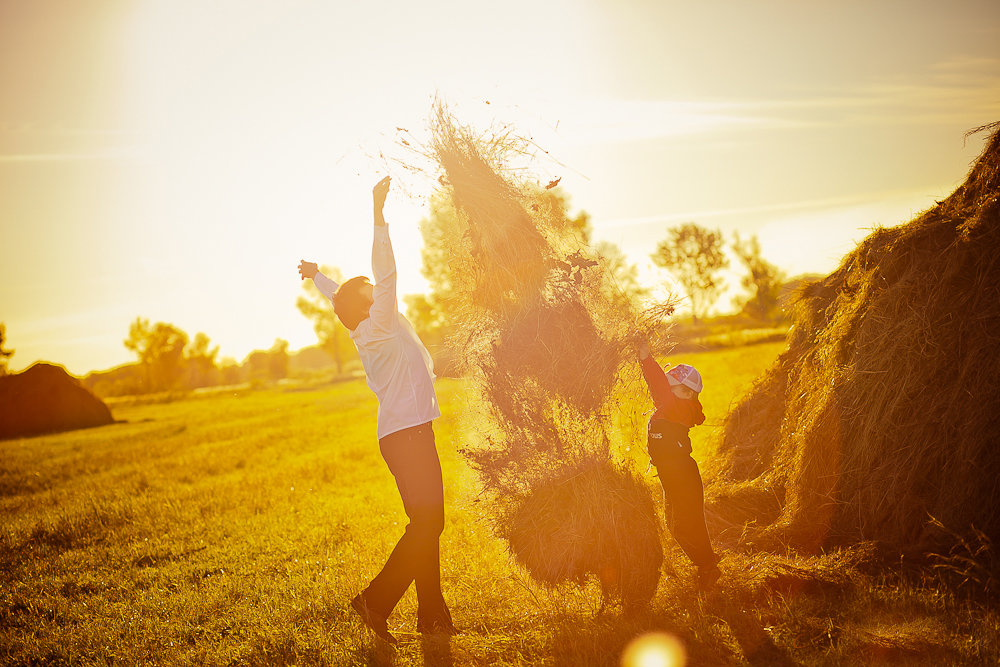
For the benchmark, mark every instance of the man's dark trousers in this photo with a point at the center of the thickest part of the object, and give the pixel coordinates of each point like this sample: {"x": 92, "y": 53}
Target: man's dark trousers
{"x": 412, "y": 458}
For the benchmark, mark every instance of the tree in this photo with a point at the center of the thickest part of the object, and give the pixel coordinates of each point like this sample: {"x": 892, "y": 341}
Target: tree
{"x": 557, "y": 202}
{"x": 201, "y": 362}
{"x": 230, "y": 372}
{"x": 160, "y": 348}
{"x": 333, "y": 336}
{"x": 270, "y": 365}
{"x": 694, "y": 256}
{"x": 627, "y": 291}
{"x": 5, "y": 355}
{"x": 426, "y": 316}
{"x": 763, "y": 281}
{"x": 432, "y": 313}
{"x": 277, "y": 364}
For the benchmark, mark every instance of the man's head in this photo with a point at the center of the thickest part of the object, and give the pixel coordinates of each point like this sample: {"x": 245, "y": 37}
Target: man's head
{"x": 352, "y": 301}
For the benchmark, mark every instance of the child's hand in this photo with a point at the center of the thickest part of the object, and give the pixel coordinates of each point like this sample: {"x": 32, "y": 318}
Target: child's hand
{"x": 643, "y": 349}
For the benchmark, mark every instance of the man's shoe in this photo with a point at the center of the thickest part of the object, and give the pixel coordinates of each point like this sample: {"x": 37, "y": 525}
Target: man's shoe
{"x": 374, "y": 621}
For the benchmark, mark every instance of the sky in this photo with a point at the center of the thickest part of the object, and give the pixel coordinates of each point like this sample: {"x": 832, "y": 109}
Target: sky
{"x": 174, "y": 160}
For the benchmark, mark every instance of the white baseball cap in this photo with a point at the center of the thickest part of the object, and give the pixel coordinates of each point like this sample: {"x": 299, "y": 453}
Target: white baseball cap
{"x": 685, "y": 375}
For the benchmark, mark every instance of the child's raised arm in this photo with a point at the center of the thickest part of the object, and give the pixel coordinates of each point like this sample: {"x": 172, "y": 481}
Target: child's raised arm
{"x": 655, "y": 378}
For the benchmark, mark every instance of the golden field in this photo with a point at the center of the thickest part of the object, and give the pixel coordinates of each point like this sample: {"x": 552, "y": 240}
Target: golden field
{"x": 234, "y": 528}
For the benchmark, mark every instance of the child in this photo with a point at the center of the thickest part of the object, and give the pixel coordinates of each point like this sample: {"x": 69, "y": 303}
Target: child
{"x": 675, "y": 395}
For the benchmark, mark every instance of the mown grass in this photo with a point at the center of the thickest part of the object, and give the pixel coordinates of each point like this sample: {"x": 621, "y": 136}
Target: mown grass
{"x": 233, "y": 529}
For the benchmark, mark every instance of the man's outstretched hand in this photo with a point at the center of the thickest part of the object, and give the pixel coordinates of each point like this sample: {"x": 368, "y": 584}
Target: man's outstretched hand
{"x": 307, "y": 269}
{"x": 379, "y": 192}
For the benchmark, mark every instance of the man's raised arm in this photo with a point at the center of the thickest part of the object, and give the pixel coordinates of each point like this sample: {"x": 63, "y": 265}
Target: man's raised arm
{"x": 384, "y": 309}
{"x": 326, "y": 286}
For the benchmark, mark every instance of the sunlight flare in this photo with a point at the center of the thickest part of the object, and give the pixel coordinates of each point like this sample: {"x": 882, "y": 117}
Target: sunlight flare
{"x": 654, "y": 649}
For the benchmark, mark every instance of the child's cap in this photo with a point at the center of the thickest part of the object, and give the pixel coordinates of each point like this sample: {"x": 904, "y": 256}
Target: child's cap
{"x": 685, "y": 375}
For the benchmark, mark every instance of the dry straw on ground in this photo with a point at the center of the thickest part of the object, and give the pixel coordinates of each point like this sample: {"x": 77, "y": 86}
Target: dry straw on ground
{"x": 881, "y": 420}
{"x": 547, "y": 345}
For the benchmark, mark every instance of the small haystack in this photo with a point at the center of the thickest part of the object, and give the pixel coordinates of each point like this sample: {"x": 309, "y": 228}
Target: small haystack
{"x": 882, "y": 418}
{"x": 546, "y": 344}
{"x": 46, "y": 399}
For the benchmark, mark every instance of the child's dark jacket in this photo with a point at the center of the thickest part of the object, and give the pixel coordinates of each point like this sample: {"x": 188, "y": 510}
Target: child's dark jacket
{"x": 668, "y": 427}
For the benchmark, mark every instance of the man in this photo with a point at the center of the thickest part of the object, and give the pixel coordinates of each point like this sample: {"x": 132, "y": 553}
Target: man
{"x": 400, "y": 372}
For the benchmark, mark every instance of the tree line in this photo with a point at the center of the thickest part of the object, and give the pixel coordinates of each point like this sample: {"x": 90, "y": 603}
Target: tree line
{"x": 695, "y": 257}
{"x": 168, "y": 360}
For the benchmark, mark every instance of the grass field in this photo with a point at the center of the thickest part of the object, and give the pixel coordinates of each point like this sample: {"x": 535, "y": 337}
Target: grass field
{"x": 235, "y": 528}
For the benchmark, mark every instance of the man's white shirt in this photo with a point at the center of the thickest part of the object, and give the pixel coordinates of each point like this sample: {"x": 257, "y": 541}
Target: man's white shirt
{"x": 397, "y": 365}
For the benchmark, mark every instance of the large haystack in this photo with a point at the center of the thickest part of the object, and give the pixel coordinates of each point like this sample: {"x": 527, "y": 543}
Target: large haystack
{"x": 546, "y": 344}
{"x": 882, "y": 418}
{"x": 46, "y": 399}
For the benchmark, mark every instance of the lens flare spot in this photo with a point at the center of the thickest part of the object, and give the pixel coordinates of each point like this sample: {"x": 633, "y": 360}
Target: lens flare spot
{"x": 654, "y": 649}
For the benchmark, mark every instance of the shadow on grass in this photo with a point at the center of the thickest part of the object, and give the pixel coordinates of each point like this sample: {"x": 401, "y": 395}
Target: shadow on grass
{"x": 436, "y": 650}
{"x": 378, "y": 654}
{"x": 715, "y": 627}
{"x": 601, "y": 640}
{"x": 754, "y": 642}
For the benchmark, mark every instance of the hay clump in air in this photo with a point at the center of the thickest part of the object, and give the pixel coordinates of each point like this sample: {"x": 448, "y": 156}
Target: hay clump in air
{"x": 589, "y": 521}
{"x": 548, "y": 346}
{"x": 881, "y": 421}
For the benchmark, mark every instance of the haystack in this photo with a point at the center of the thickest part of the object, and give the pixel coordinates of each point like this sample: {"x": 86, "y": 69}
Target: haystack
{"x": 546, "y": 343}
{"x": 881, "y": 421}
{"x": 46, "y": 399}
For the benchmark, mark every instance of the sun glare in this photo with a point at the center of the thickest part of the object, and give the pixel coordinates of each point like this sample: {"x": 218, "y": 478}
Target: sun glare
{"x": 654, "y": 649}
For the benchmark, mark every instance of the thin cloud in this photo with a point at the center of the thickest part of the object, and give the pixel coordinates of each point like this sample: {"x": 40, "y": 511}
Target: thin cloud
{"x": 113, "y": 154}
{"x": 951, "y": 91}
{"x": 46, "y": 129}
{"x": 804, "y": 205}
{"x": 614, "y": 120}
{"x": 59, "y": 142}
{"x": 954, "y": 91}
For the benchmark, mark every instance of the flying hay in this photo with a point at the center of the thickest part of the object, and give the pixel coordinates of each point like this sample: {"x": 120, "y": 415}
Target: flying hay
{"x": 595, "y": 520}
{"x": 547, "y": 343}
{"x": 881, "y": 421}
